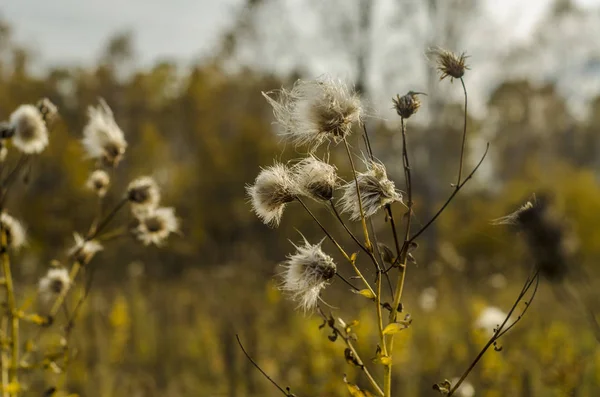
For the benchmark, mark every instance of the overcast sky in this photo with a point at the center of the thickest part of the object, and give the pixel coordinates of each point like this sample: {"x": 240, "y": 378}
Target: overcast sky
{"x": 66, "y": 31}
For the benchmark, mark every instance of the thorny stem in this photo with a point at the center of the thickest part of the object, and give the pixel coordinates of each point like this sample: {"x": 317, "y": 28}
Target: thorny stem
{"x": 286, "y": 393}
{"x": 454, "y": 192}
{"x": 359, "y": 361}
{"x": 348, "y": 258}
{"x": 12, "y": 309}
{"x": 464, "y": 137}
{"x": 360, "y": 205}
{"x": 500, "y": 331}
{"x": 404, "y": 255}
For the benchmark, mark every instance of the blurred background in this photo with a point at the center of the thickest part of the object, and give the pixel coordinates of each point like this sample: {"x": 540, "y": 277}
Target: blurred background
{"x": 184, "y": 79}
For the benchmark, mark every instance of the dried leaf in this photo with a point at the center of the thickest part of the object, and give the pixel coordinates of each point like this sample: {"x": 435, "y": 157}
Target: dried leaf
{"x": 355, "y": 391}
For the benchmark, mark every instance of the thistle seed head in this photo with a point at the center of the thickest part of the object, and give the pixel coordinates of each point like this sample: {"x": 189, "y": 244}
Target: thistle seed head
{"x": 155, "y": 226}
{"x": 84, "y": 250}
{"x": 315, "y": 178}
{"x": 407, "y": 105}
{"x": 53, "y": 283}
{"x": 103, "y": 140}
{"x": 98, "y": 182}
{"x": 376, "y": 191}
{"x": 28, "y": 129}
{"x": 448, "y": 63}
{"x": 143, "y": 194}
{"x": 314, "y": 112}
{"x": 272, "y": 190}
{"x": 306, "y": 273}
{"x": 15, "y": 232}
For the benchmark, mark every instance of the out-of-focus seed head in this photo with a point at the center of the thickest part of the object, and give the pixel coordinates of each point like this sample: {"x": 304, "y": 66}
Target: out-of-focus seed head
{"x": 314, "y": 112}
{"x": 272, "y": 190}
{"x": 315, "y": 178}
{"x": 103, "y": 140}
{"x": 306, "y": 273}
{"x": 143, "y": 194}
{"x": 15, "y": 232}
{"x": 29, "y": 132}
{"x": 83, "y": 250}
{"x": 545, "y": 235}
{"x": 54, "y": 283}
{"x": 376, "y": 191}
{"x": 448, "y": 63}
{"x": 47, "y": 109}
{"x": 408, "y": 104}
{"x": 98, "y": 182}
{"x": 155, "y": 226}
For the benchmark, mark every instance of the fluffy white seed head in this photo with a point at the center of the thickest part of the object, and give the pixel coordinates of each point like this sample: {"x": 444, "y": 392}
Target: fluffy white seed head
{"x": 273, "y": 188}
{"x": 306, "y": 273}
{"x": 315, "y": 178}
{"x": 155, "y": 226}
{"x": 98, "y": 182}
{"x": 313, "y": 112}
{"x": 15, "y": 232}
{"x": 376, "y": 191}
{"x": 143, "y": 194}
{"x": 103, "y": 140}
{"x": 83, "y": 251}
{"x": 29, "y": 129}
{"x": 53, "y": 283}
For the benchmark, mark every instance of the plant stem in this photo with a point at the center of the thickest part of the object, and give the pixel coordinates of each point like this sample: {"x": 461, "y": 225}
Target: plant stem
{"x": 360, "y": 205}
{"x": 61, "y": 298}
{"x": 464, "y": 137}
{"x": 12, "y": 310}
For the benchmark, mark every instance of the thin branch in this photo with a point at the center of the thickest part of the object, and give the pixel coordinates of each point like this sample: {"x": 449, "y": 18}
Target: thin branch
{"x": 285, "y": 393}
{"x": 464, "y": 137}
{"x": 360, "y": 204}
{"x": 454, "y": 192}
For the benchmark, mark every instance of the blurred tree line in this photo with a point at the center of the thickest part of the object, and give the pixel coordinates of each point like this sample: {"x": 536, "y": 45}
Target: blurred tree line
{"x": 161, "y": 322}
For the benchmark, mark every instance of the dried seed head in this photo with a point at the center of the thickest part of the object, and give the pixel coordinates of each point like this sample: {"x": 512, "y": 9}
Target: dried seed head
{"x": 98, "y": 182}
{"x": 15, "y": 232}
{"x": 408, "y": 104}
{"x": 83, "y": 251}
{"x": 313, "y": 112}
{"x": 315, "y": 178}
{"x": 376, "y": 191}
{"x": 30, "y": 134}
{"x": 103, "y": 140}
{"x": 143, "y": 194}
{"x": 54, "y": 283}
{"x": 448, "y": 63}
{"x": 306, "y": 273}
{"x": 47, "y": 109}
{"x": 273, "y": 188}
{"x": 545, "y": 236}
{"x": 155, "y": 226}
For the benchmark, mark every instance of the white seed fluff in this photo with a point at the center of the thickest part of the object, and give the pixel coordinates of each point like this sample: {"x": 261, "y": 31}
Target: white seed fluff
{"x": 98, "y": 182}
{"x": 83, "y": 251}
{"x": 315, "y": 178}
{"x": 316, "y": 111}
{"x": 306, "y": 273}
{"x": 15, "y": 232}
{"x": 53, "y": 283}
{"x": 376, "y": 191}
{"x": 143, "y": 194}
{"x": 155, "y": 226}
{"x": 102, "y": 138}
{"x": 30, "y": 132}
{"x": 273, "y": 188}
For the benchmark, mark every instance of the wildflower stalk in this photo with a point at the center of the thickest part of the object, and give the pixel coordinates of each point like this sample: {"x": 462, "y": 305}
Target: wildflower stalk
{"x": 500, "y": 331}
{"x": 387, "y": 379}
{"x": 4, "y": 357}
{"x": 12, "y": 309}
{"x": 464, "y": 137}
{"x": 339, "y": 247}
{"x": 360, "y": 205}
{"x": 348, "y": 342}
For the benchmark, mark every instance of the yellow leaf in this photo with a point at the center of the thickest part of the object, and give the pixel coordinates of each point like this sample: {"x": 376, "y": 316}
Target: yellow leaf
{"x": 353, "y": 257}
{"x": 383, "y": 360}
{"x": 394, "y": 328}
{"x": 356, "y": 392}
{"x": 366, "y": 293}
